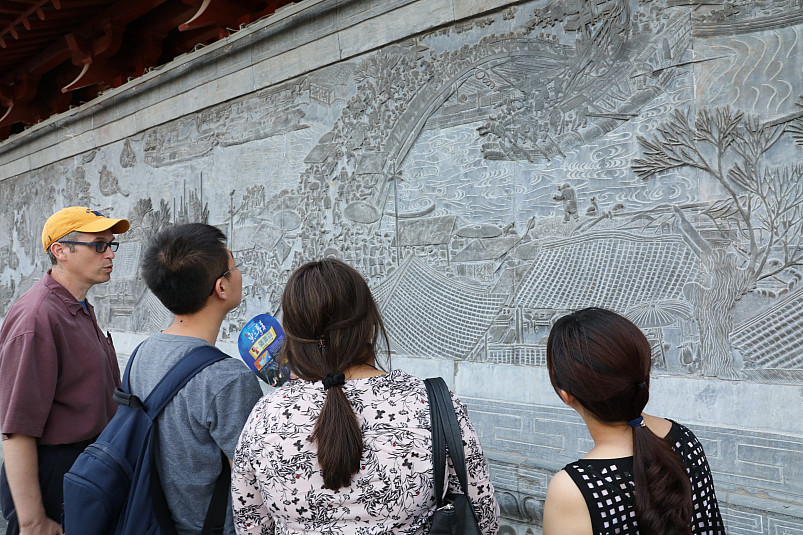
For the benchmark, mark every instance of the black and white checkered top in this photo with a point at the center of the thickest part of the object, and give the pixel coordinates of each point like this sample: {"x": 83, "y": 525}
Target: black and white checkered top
{"x": 607, "y": 486}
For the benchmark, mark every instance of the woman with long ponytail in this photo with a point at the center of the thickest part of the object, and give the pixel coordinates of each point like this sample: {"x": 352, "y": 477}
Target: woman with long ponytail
{"x": 346, "y": 447}
{"x": 645, "y": 474}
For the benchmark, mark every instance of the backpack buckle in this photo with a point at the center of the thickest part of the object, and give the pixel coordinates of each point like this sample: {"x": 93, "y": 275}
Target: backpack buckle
{"x": 124, "y": 398}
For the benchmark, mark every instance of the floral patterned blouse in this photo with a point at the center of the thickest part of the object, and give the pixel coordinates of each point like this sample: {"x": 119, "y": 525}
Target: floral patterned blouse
{"x": 277, "y": 486}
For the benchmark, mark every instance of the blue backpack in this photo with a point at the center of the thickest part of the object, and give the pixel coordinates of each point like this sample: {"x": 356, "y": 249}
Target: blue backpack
{"x": 113, "y": 487}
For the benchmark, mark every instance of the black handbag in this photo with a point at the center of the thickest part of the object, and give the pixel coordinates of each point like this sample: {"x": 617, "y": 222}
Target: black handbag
{"x": 454, "y": 514}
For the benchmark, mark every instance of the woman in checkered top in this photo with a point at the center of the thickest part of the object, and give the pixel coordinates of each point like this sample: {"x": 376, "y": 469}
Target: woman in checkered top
{"x": 645, "y": 474}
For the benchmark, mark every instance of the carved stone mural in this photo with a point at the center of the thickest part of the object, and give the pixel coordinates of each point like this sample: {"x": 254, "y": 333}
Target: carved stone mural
{"x": 487, "y": 177}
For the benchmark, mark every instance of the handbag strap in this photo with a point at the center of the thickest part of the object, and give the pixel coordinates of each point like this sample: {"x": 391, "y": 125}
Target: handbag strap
{"x": 438, "y": 444}
{"x": 445, "y": 428}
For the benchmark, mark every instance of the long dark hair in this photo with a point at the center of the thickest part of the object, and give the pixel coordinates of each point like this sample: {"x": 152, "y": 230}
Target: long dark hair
{"x": 603, "y": 360}
{"x": 331, "y": 323}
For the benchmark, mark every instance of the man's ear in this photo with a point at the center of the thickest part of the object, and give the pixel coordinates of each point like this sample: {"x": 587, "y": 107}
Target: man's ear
{"x": 58, "y": 250}
{"x": 220, "y": 289}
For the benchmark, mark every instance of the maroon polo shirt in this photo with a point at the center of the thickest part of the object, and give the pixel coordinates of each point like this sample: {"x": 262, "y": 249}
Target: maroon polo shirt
{"x": 58, "y": 370}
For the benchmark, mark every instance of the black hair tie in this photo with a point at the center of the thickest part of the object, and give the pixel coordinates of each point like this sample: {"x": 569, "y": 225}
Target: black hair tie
{"x": 333, "y": 379}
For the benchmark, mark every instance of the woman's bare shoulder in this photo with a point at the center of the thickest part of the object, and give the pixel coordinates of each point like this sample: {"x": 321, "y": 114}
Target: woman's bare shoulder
{"x": 565, "y": 510}
{"x": 659, "y": 426}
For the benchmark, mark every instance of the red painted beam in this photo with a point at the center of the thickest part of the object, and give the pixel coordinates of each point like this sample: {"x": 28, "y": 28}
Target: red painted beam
{"x": 221, "y": 13}
{"x": 25, "y": 112}
{"x": 93, "y": 73}
{"x": 120, "y": 41}
{"x": 23, "y": 19}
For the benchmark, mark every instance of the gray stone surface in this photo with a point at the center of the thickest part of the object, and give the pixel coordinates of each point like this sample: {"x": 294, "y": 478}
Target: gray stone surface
{"x": 492, "y": 167}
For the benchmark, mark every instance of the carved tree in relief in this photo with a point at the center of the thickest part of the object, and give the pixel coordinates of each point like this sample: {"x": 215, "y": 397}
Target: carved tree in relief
{"x": 764, "y": 204}
{"x": 147, "y": 222}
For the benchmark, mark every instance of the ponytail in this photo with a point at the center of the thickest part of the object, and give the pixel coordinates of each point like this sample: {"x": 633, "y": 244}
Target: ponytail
{"x": 331, "y": 322}
{"x": 662, "y": 487}
{"x": 603, "y": 360}
{"x": 338, "y": 438}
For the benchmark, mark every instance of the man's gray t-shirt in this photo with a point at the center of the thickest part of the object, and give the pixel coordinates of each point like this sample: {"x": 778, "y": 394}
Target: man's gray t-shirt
{"x": 205, "y": 417}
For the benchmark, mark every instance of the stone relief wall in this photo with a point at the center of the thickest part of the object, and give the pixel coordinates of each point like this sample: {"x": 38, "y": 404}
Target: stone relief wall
{"x": 487, "y": 177}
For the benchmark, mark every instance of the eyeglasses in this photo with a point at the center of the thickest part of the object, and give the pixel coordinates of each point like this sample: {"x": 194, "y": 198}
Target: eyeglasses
{"x": 235, "y": 266}
{"x": 100, "y": 246}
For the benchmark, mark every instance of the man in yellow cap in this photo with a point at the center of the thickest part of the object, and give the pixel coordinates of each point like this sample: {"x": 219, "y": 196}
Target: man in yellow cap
{"x": 58, "y": 370}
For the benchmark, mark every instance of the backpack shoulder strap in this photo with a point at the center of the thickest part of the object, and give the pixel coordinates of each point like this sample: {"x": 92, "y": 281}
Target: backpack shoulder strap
{"x": 179, "y": 375}
{"x": 122, "y": 394}
{"x": 125, "y": 385}
{"x": 174, "y": 380}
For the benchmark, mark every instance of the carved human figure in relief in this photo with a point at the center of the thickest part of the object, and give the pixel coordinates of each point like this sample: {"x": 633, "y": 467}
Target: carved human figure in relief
{"x": 567, "y": 195}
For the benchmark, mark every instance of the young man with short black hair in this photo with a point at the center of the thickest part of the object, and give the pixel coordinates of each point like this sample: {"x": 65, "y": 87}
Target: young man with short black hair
{"x": 190, "y": 270}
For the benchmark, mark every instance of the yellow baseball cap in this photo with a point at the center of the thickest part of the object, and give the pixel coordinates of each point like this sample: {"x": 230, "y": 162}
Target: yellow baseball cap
{"x": 81, "y": 219}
